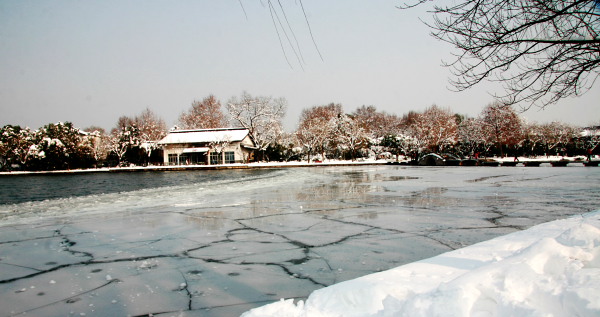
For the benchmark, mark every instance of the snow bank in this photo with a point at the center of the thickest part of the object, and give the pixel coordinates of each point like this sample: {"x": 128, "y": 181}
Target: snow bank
{"x": 552, "y": 269}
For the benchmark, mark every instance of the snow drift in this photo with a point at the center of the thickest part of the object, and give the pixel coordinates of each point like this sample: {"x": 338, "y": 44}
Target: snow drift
{"x": 552, "y": 269}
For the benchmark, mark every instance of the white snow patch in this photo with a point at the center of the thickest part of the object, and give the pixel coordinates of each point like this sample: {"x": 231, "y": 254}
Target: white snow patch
{"x": 552, "y": 269}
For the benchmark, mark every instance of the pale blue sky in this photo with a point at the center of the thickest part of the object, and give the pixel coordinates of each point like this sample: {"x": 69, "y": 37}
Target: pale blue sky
{"x": 90, "y": 62}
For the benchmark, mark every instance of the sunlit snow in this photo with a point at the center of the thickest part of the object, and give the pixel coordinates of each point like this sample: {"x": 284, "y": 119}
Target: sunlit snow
{"x": 552, "y": 269}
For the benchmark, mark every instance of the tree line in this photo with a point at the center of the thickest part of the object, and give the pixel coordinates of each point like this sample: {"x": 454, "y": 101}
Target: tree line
{"x": 541, "y": 51}
{"x": 323, "y": 132}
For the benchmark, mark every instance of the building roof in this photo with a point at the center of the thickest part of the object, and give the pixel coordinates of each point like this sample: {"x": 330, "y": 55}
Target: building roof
{"x": 590, "y": 131}
{"x": 205, "y": 136}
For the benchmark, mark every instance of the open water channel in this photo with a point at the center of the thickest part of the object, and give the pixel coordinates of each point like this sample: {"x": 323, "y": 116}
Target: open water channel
{"x": 218, "y": 243}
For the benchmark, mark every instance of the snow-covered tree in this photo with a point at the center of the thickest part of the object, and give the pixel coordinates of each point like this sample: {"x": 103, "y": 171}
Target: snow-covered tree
{"x": 472, "y": 137}
{"x": 312, "y": 135}
{"x": 151, "y": 127}
{"x": 218, "y": 146}
{"x": 591, "y": 135}
{"x": 124, "y": 140}
{"x": 261, "y": 115}
{"x": 317, "y": 127}
{"x": 99, "y": 141}
{"x": 399, "y": 144}
{"x": 375, "y": 123}
{"x": 351, "y": 135}
{"x": 287, "y": 147}
{"x": 122, "y": 123}
{"x": 205, "y": 114}
{"x": 533, "y": 138}
{"x": 502, "y": 125}
{"x": 554, "y": 136}
{"x": 435, "y": 128}
{"x": 59, "y": 146}
{"x": 14, "y": 146}
{"x": 558, "y": 134}
{"x": 134, "y": 139}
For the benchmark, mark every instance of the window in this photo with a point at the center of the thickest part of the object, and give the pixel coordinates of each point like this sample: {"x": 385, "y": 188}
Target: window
{"x": 229, "y": 157}
{"x": 172, "y": 159}
{"x": 197, "y": 158}
{"x": 215, "y": 158}
{"x": 184, "y": 159}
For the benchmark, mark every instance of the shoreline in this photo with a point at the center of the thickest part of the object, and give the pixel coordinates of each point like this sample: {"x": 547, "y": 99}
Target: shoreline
{"x": 482, "y": 162}
{"x": 193, "y": 167}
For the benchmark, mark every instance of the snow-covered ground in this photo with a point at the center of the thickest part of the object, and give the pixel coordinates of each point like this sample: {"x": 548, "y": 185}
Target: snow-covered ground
{"x": 552, "y": 269}
{"x": 361, "y": 161}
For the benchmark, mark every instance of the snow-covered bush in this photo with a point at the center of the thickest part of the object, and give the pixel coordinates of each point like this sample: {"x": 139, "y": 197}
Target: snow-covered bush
{"x": 59, "y": 146}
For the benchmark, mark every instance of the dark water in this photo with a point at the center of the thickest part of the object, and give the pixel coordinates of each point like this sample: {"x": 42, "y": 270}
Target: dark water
{"x": 24, "y": 188}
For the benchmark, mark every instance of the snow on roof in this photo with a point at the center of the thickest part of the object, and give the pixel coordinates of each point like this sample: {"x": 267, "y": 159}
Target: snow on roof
{"x": 590, "y": 131}
{"x": 205, "y": 136}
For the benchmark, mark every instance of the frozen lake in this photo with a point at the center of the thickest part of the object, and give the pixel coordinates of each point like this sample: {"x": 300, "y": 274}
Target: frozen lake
{"x": 218, "y": 243}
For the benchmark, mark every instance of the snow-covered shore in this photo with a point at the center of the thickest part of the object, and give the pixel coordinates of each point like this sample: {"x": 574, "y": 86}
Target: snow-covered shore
{"x": 201, "y": 167}
{"x": 370, "y": 161}
{"x": 552, "y": 269}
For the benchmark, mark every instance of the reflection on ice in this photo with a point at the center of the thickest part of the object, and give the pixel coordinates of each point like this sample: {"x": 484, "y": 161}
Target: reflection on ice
{"x": 224, "y": 246}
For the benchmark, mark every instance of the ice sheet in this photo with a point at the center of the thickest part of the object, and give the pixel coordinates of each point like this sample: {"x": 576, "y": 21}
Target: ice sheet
{"x": 226, "y": 245}
{"x": 552, "y": 269}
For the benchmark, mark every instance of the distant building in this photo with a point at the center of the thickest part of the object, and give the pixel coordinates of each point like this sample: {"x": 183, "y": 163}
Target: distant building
{"x": 593, "y": 131}
{"x": 207, "y": 146}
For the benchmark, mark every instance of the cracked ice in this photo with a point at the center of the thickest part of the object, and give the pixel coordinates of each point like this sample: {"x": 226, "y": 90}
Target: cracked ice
{"x": 227, "y": 244}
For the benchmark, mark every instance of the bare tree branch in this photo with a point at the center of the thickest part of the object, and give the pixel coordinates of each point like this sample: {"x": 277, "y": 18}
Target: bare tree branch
{"x": 541, "y": 51}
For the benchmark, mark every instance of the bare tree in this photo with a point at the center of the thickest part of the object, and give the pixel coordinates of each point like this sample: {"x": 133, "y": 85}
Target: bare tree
{"x": 375, "y": 123}
{"x": 122, "y": 123}
{"x": 151, "y": 126}
{"x": 261, "y": 115}
{"x": 205, "y": 114}
{"x": 541, "y": 51}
